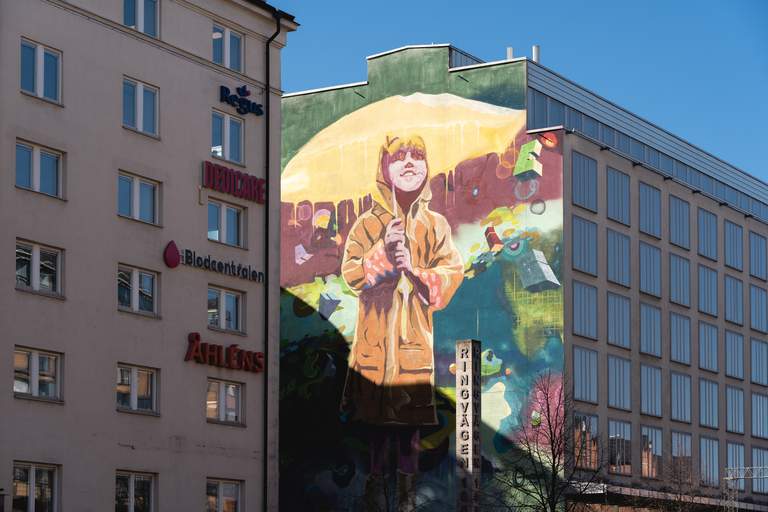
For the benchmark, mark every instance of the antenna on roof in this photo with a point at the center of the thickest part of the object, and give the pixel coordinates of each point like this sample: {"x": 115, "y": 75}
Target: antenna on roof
{"x": 510, "y": 53}
{"x": 536, "y": 53}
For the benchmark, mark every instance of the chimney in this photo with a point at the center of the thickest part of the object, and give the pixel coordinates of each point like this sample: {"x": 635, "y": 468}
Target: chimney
{"x": 510, "y": 53}
{"x": 536, "y": 52}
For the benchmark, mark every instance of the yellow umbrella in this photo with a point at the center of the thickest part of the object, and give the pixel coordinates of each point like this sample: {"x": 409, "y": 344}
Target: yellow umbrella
{"x": 340, "y": 161}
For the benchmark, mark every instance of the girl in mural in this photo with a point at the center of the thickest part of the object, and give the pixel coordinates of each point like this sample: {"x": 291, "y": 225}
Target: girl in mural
{"x": 400, "y": 260}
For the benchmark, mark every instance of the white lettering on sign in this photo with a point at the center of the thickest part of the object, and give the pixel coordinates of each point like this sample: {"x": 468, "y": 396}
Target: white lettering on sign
{"x": 468, "y": 425}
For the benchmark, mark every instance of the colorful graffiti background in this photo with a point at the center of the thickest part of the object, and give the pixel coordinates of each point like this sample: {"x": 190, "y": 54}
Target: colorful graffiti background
{"x": 500, "y": 191}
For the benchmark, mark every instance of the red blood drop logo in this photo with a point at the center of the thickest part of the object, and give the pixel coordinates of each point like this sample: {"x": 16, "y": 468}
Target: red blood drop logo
{"x": 171, "y": 255}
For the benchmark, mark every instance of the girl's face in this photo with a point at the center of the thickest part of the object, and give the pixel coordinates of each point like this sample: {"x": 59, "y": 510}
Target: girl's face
{"x": 408, "y": 168}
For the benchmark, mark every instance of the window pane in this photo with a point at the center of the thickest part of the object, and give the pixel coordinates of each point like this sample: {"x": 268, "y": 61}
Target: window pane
{"x": 49, "y": 173}
{"x": 125, "y": 196}
{"x": 709, "y": 462}
{"x": 707, "y": 234}
{"x": 129, "y": 104}
{"x": 124, "y": 287}
{"x": 650, "y": 269}
{"x": 757, "y": 255}
{"x": 679, "y": 280}
{"x": 213, "y": 308}
{"x": 584, "y": 310}
{"x": 734, "y": 355}
{"x": 680, "y": 338}
{"x": 150, "y": 17}
{"x": 149, "y": 111}
{"x": 235, "y": 140}
{"x": 21, "y": 372}
{"x": 217, "y": 39}
{"x": 147, "y": 202}
{"x": 235, "y": 52}
{"x": 734, "y": 300}
{"x": 122, "y": 496}
{"x": 651, "y": 452}
{"x": 212, "y": 400}
{"x": 23, "y": 166}
{"x": 650, "y": 330}
{"x": 584, "y": 175}
{"x": 129, "y": 13}
{"x": 681, "y": 397}
{"x": 123, "y": 387}
{"x": 618, "y": 258}
{"x": 51, "y": 76}
{"x": 679, "y": 222}
{"x": 212, "y": 495}
{"x": 217, "y": 135}
{"x": 20, "y": 489}
{"x": 44, "y": 489}
{"x": 618, "y": 320}
{"x": 758, "y": 302}
{"x": 584, "y": 374}
{"x": 146, "y": 292}
{"x": 618, "y": 196}
{"x": 232, "y": 402}
{"x": 230, "y": 493}
{"x": 23, "y": 265}
{"x": 708, "y": 346}
{"x": 650, "y": 210}
{"x": 620, "y": 447}
{"x": 619, "y": 383}
{"x": 49, "y": 261}
{"x": 28, "y": 65}
{"x": 708, "y": 391}
{"x": 760, "y": 362}
{"x": 142, "y": 493}
{"x": 232, "y": 311}
{"x": 214, "y": 219}
{"x": 47, "y": 376}
{"x": 734, "y": 410}
{"x": 233, "y": 226}
{"x": 586, "y": 441}
{"x": 650, "y": 390}
{"x": 145, "y": 390}
{"x": 733, "y": 245}
{"x": 707, "y": 290}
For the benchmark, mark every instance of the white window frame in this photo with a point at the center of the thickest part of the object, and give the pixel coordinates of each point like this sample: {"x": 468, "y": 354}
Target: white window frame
{"x": 219, "y": 497}
{"x": 32, "y": 466}
{"x": 136, "y": 182}
{"x": 35, "y": 278}
{"x": 138, "y": 107}
{"x": 222, "y": 398}
{"x": 226, "y": 52}
{"x": 139, "y": 14}
{"x": 132, "y": 490}
{"x": 225, "y": 145}
{"x": 37, "y": 151}
{"x": 134, "y": 398}
{"x": 223, "y": 230}
{"x": 135, "y": 281}
{"x": 222, "y": 316}
{"x": 34, "y": 372}
{"x": 40, "y": 51}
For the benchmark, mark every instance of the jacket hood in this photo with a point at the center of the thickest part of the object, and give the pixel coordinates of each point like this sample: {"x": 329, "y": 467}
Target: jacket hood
{"x": 384, "y": 186}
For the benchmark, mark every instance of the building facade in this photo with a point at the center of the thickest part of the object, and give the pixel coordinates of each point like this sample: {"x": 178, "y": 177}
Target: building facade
{"x": 582, "y": 245}
{"x": 137, "y": 365}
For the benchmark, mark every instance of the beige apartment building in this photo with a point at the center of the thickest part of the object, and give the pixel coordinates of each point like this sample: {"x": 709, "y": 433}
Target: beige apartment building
{"x": 139, "y": 363}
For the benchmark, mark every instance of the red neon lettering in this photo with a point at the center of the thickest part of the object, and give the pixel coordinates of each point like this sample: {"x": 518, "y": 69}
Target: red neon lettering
{"x": 211, "y": 354}
{"x": 259, "y": 367}
{"x": 193, "y": 349}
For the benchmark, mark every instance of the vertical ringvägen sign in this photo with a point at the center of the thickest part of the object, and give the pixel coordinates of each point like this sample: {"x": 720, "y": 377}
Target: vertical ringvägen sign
{"x": 468, "y": 425}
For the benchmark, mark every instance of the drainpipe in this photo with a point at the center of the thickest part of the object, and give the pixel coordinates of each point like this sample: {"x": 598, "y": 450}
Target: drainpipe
{"x": 267, "y": 118}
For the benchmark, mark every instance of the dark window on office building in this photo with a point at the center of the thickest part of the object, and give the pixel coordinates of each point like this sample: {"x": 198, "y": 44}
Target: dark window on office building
{"x": 734, "y": 300}
{"x": 584, "y": 310}
{"x": 618, "y": 258}
{"x": 650, "y": 330}
{"x": 584, "y": 181}
{"x": 734, "y": 355}
{"x": 584, "y": 374}
{"x": 707, "y": 234}
{"x": 618, "y": 196}
{"x": 757, "y": 255}
{"x": 650, "y": 269}
{"x": 618, "y": 320}
{"x": 679, "y": 222}
{"x": 734, "y": 247}
{"x": 650, "y": 210}
{"x": 679, "y": 280}
{"x": 707, "y": 290}
{"x": 584, "y": 245}
{"x": 758, "y": 301}
{"x": 680, "y": 338}
{"x": 619, "y": 383}
{"x": 707, "y": 346}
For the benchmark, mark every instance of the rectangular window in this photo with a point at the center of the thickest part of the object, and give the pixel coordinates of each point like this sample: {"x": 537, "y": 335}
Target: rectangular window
{"x": 651, "y": 452}
{"x": 38, "y": 169}
{"x": 137, "y": 198}
{"x": 37, "y": 373}
{"x": 584, "y": 310}
{"x": 584, "y": 175}
{"x": 586, "y": 439}
{"x": 734, "y": 355}
{"x": 759, "y": 362}
{"x": 710, "y": 472}
{"x": 135, "y": 388}
{"x": 734, "y": 410}
{"x": 734, "y": 300}
{"x": 224, "y": 401}
{"x": 650, "y": 269}
{"x": 680, "y": 338}
{"x": 735, "y": 460}
{"x": 758, "y": 302}
{"x": 34, "y": 488}
{"x": 140, "y": 103}
{"x": 760, "y": 459}
{"x": 707, "y": 234}
{"x": 40, "y": 72}
{"x": 619, "y": 379}
{"x": 584, "y": 374}
{"x": 679, "y": 280}
{"x": 225, "y": 309}
{"x": 650, "y": 210}
{"x": 222, "y": 495}
{"x": 618, "y": 199}
{"x": 225, "y": 223}
{"x": 707, "y": 290}
{"x": 227, "y": 137}
{"x": 136, "y": 290}
{"x": 650, "y": 330}
{"x": 734, "y": 247}
{"x": 681, "y": 397}
{"x": 227, "y": 48}
{"x": 142, "y": 15}
{"x": 133, "y": 492}
{"x": 38, "y": 268}
{"x": 757, "y": 255}
{"x": 584, "y": 245}
{"x": 708, "y": 346}
{"x": 708, "y": 393}
{"x": 620, "y": 447}
{"x": 760, "y": 415}
{"x": 619, "y": 320}
{"x": 618, "y": 258}
{"x": 679, "y": 222}
{"x": 682, "y": 462}
{"x": 650, "y": 390}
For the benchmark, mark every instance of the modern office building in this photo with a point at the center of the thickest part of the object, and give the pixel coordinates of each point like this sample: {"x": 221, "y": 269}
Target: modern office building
{"x": 574, "y": 239}
{"x": 140, "y": 141}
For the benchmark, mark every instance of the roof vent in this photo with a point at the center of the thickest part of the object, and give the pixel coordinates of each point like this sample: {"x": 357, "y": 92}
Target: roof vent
{"x": 536, "y": 53}
{"x": 510, "y": 53}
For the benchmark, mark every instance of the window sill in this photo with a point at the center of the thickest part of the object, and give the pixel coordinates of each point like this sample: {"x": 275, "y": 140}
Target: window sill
{"x": 153, "y": 224}
{"x": 227, "y": 331}
{"x": 145, "y": 134}
{"x": 40, "y": 293}
{"x": 232, "y": 162}
{"x": 25, "y": 189}
{"x": 217, "y": 242}
{"x": 27, "y": 396}
{"x": 138, "y": 412}
{"x": 42, "y": 98}
{"x": 226, "y": 423}
{"x": 152, "y": 316}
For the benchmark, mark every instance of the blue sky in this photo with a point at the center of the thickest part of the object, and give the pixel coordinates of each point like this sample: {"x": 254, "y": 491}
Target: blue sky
{"x": 696, "y": 68}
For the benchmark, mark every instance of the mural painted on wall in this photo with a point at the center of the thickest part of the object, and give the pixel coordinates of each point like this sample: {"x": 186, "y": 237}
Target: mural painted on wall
{"x": 409, "y": 223}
